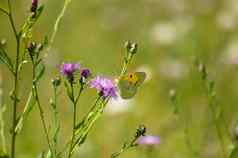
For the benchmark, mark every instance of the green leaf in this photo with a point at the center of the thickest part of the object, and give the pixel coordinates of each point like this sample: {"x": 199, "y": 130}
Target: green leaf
{"x": 40, "y": 69}
{"x": 27, "y": 109}
{"x": 234, "y": 153}
{"x": 5, "y": 59}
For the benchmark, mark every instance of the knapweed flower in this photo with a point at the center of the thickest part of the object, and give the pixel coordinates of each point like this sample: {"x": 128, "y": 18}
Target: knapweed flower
{"x": 68, "y": 69}
{"x": 34, "y": 5}
{"x": 148, "y": 140}
{"x": 85, "y": 73}
{"x": 104, "y": 86}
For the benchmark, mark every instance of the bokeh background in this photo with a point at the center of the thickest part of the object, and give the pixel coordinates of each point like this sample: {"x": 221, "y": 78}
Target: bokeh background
{"x": 170, "y": 34}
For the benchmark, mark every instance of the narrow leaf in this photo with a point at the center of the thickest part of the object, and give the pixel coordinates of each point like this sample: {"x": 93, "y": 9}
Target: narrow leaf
{"x": 28, "y": 108}
{"x": 5, "y": 59}
{"x": 39, "y": 72}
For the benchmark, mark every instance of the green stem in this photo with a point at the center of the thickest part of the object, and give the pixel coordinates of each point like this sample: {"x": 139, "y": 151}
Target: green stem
{"x": 213, "y": 111}
{"x": 127, "y": 60}
{"x": 74, "y": 120}
{"x": 2, "y": 123}
{"x": 15, "y": 90}
{"x": 4, "y": 11}
{"x": 56, "y": 122}
{"x": 219, "y": 133}
{"x": 35, "y": 92}
{"x": 89, "y": 121}
{"x": 58, "y": 20}
{"x": 125, "y": 147}
{"x": 75, "y": 101}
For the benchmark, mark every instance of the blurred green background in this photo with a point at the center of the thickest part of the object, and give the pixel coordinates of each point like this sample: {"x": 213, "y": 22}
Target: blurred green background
{"x": 170, "y": 34}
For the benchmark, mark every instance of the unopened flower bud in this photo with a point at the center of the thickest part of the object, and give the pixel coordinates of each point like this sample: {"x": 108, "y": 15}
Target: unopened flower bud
{"x": 34, "y": 5}
{"x": 31, "y": 47}
{"x": 202, "y": 69}
{"x": 131, "y": 47}
{"x": 141, "y": 130}
{"x": 172, "y": 94}
{"x": 56, "y": 81}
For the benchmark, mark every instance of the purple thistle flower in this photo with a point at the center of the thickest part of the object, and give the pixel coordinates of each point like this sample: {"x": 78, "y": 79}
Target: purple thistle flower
{"x": 85, "y": 73}
{"x": 105, "y": 86}
{"x": 68, "y": 69}
{"x": 148, "y": 140}
{"x": 34, "y": 5}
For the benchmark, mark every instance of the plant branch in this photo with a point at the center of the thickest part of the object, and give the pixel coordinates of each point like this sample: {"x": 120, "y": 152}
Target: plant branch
{"x": 4, "y": 11}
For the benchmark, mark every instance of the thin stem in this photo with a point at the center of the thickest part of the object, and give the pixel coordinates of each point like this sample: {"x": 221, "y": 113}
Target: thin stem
{"x": 56, "y": 122}
{"x": 75, "y": 101}
{"x": 126, "y": 146}
{"x": 213, "y": 111}
{"x": 74, "y": 120}
{"x": 89, "y": 120}
{"x": 219, "y": 133}
{"x": 12, "y": 21}
{"x": 126, "y": 62}
{"x": 4, "y": 11}
{"x": 58, "y": 20}
{"x": 35, "y": 92}
{"x": 15, "y": 90}
{"x": 42, "y": 117}
{"x": 69, "y": 143}
{"x": 2, "y": 123}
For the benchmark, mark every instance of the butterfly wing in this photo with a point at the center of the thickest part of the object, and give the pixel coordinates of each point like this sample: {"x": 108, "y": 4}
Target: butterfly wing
{"x": 129, "y": 83}
{"x": 127, "y": 89}
{"x": 141, "y": 78}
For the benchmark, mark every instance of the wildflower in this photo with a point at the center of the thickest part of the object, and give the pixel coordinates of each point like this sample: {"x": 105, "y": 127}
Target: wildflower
{"x": 85, "y": 73}
{"x": 148, "y": 140}
{"x": 105, "y": 86}
{"x": 68, "y": 70}
{"x": 34, "y": 5}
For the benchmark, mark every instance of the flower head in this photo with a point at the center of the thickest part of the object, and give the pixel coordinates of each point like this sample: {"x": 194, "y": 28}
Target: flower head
{"x": 148, "y": 140}
{"x": 105, "y": 86}
{"x": 68, "y": 69}
{"x": 85, "y": 73}
{"x": 34, "y": 5}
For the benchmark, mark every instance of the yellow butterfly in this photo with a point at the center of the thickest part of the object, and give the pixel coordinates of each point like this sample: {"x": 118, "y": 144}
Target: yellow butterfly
{"x": 128, "y": 84}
